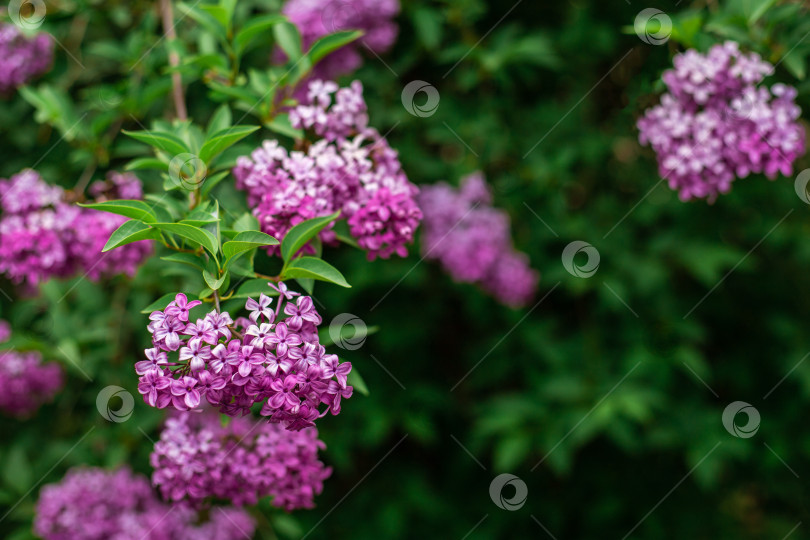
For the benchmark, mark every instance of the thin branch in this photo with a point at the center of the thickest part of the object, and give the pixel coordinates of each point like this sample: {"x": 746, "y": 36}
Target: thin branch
{"x": 174, "y": 59}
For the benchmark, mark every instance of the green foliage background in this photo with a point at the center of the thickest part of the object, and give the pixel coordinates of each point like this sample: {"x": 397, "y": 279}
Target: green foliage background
{"x": 606, "y": 382}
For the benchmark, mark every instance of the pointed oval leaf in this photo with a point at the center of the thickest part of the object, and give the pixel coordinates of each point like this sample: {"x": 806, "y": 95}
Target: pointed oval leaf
{"x": 130, "y": 231}
{"x": 330, "y": 43}
{"x": 132, "y": 209}
{"x": 299, "y": 235}
{"x": 311, "y": 267}
{"x": 251, "y": 31}
{"x": 247, "y": 240}
{"x": 196, "y": 235}
{"x": 223, "y": 139}
{"x": 166, "y": 142}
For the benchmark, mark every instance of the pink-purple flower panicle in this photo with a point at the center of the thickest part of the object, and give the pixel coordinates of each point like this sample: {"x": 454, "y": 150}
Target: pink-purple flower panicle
{"x": 350, "y": 168}
{"x": 94, "y": 504}
{"x": 717, "y": 123}
{"x": 22, "y": 58}
{"x": 273, "y": 358}
{"x": 43, "y": 236}
{"x": 26, "y": 382}
{"x": 198, "y": 458}
{"x": 317, "y": 18}
{"x": 472, "y": 240}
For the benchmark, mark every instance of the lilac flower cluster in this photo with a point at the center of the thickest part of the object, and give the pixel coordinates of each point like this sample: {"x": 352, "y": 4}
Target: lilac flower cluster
{"x": 317, "y": 18}
{"x": 472, "y": 240}
{"x": 25, "y": 381}
{"x": 94, "y": 504}
{"x": 197, "y": 457}
{"x": 22, "y": 58}
{"x": 43, "y": 236}
{"x": 716, "y": 123}
{"x": 273, "y": 358}
{"x": 351, "y": 168}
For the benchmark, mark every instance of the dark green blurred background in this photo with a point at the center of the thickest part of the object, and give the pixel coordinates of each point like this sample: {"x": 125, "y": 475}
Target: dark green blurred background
{"x": 606, "y": 383}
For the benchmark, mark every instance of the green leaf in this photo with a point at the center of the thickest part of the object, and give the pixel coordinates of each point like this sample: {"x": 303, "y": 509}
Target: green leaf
{"x": 132, "y": 209}
{"x": 246, "y": 222}
{"x": 281, "y": 124}
{"x": 146, "y": 163}
{"x": 198, "y": 236}
{"x": 205, "y": 19}
{"x": 130, "y": 231}
{"x": 330, "y": 43}
{"x": 795, "y": 64}
{"x": 17, "y": 469}
{"x": 245, "y": 241}
{"x": 257, "y": 27}
{"x": 212, "y": 181}
{"x": 311, "y": 267}
{"x": 166, "y": 142}
{"x": 223, "y": 139}
{"x": 188, "y": 259}
{"x": 299, "y": 235}
{"x": 289, "y": 39}
{"x": 354, "y": 379}
{"x": 221, "y": 119}
{"x": 212, "y": 281}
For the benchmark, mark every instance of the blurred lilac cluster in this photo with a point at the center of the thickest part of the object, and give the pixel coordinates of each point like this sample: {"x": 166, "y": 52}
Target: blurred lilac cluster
{"x": 472, "y": 240}
{"x": 197, "y": 457}
{"x": 43, "y": 236}
{"x": 350, "y": 168}
{"x": 274, "y": 356}
{"x": 94, "y": 504}
{"x": 317, "y": 18}
{"x": 716, "y": 123}
{"x": 22, "y": 58}
{"x": 25, "y": 381}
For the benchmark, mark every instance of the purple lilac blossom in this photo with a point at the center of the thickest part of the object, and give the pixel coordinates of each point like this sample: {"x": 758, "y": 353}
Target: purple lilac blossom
{"x": 717, "y": 123}
{"x": 43, "y": 236}
{"x": 273, "y": 358}
{"x": 22, "y": 58}
{"x": 472, "y": 240}
{"x": 25, "y": 381}
{"x": 95, "y": 504}
{"x": 317, "y": 18}
{"x": 350, "y": 168}
{"x": 197, "y": 457}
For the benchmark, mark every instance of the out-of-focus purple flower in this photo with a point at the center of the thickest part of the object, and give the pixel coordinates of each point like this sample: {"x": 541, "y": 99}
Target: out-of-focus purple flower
{"x": 472, "y": 240}
{"x": 197, "y": 457}
{"x": 265, "y": 362}
{"x": 351, "y": 168}
{"x": 42, "y": 236}
{"x": 717, "y": 123}
{"x": 25, "y": 381}
{"x": 22, "y": 58}
{"x": 317, "y": 18}
{"x": 94, "y": 504}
